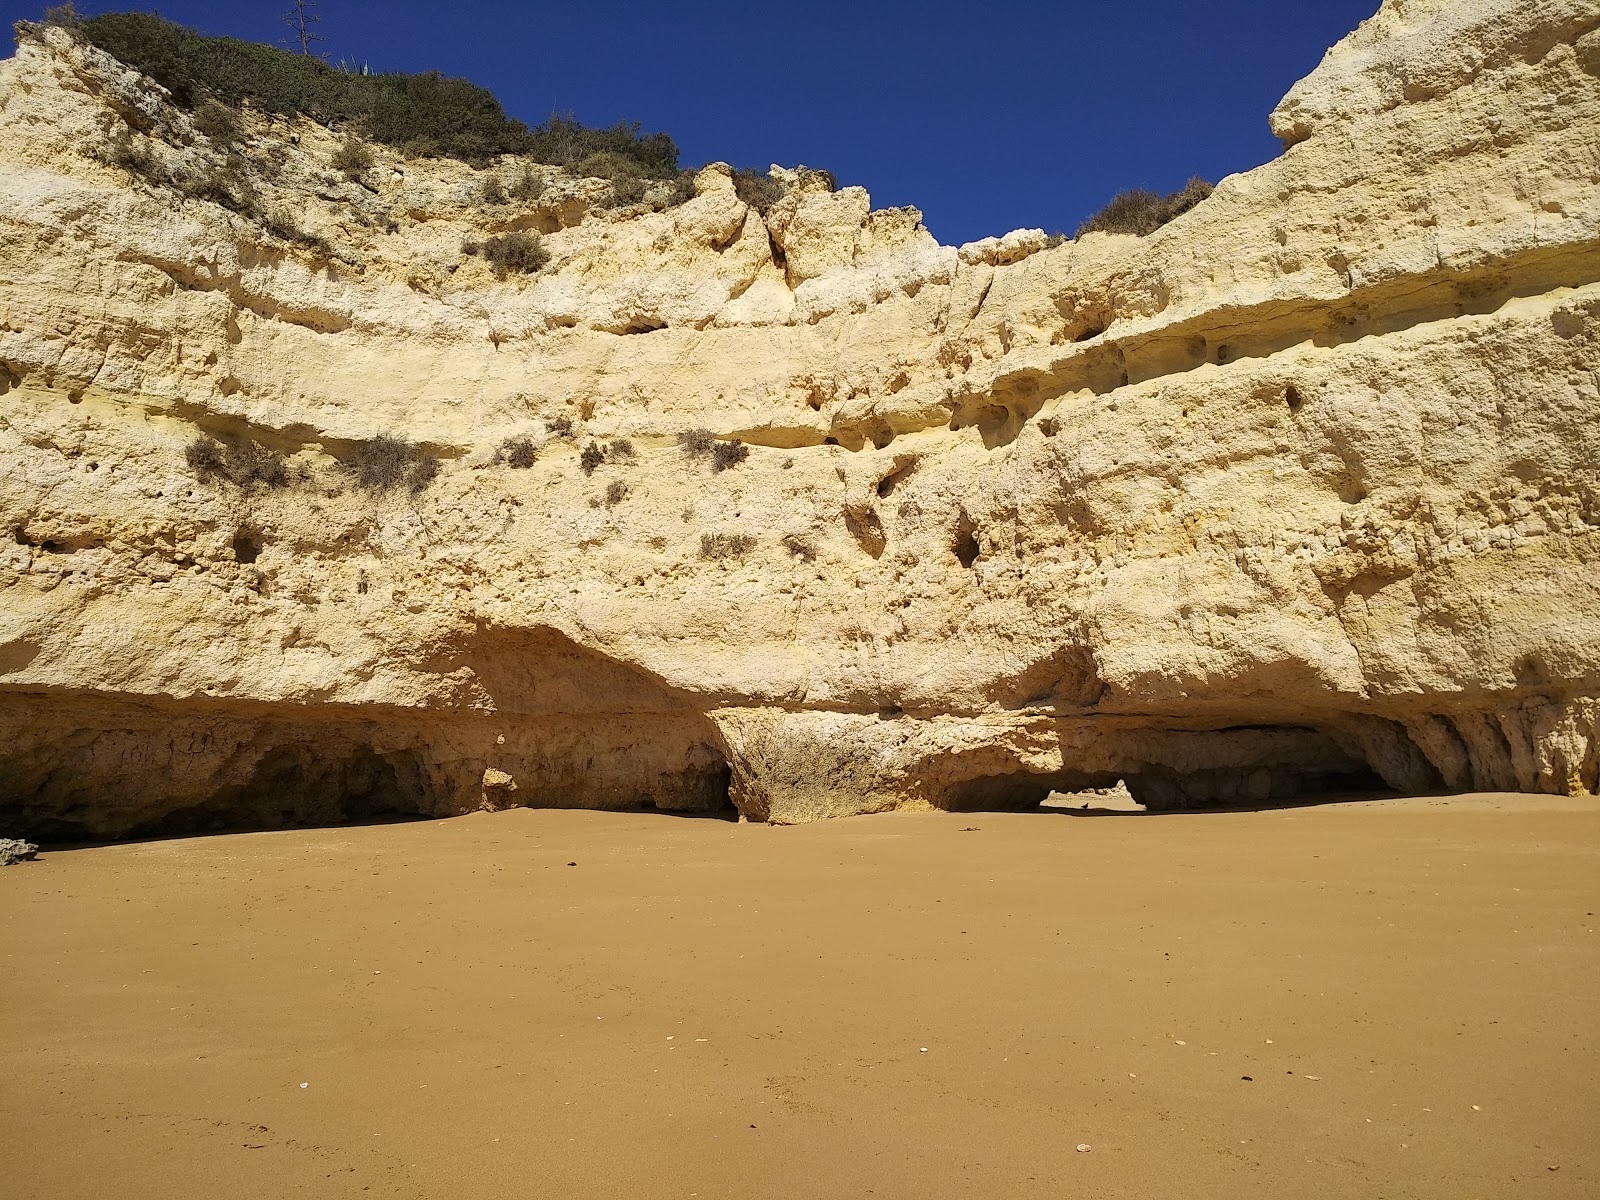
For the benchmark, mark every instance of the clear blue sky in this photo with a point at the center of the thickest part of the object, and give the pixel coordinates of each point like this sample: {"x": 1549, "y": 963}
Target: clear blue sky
{"x": 987, "y": 116}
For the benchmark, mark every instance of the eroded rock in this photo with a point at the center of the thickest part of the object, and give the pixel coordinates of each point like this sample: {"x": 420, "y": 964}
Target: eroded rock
{"x": 1297, "y": 493}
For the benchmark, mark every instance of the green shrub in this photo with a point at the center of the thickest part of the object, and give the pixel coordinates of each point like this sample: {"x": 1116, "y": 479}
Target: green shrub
{"x": 493, "y": 191}
{"x": 382, "y": 463}
{"x": 757, "y": 188}
{"x": 239, "y": 461}
{"x": 682, "y": 189}
{"x": 628, "y": 183}
{"x": 353, "y": 159}
{"x": 715, "y": 546}
{"x": 528, "y": 187}
{"x": 563, "y": 141}
{"x": 427, "y": 115}
{"x": 64, "y": 15}
{"x": 1142, "y": 213}
{"x": 515, "y": 254}
{"x": 591, "y": 458}
{"x": 218, "y": 122}
{"x": 729, "y": 454}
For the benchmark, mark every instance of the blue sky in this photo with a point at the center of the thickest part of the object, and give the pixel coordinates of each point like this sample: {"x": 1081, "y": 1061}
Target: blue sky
{"x": 988, "y": 117}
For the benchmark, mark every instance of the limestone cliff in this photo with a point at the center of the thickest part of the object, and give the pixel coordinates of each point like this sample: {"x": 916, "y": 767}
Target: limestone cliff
{"x": 1298, "y": 492}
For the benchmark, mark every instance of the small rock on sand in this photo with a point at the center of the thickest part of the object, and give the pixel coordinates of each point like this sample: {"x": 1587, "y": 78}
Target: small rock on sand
{"x": 14, "y": 850}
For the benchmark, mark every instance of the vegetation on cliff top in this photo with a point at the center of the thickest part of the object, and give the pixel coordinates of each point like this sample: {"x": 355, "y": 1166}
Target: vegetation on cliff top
{"x": 1140, "y": 213}
{"x": 427, "y": 114}
{"x": 432, "y": 116}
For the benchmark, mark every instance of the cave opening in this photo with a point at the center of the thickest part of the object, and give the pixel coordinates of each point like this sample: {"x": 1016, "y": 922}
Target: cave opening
{"x": 297, "y": 785}
{"x": 1156, "y": 789}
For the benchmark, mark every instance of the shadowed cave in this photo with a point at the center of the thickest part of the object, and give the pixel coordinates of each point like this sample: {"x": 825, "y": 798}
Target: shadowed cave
{"x": 541, "y": 722}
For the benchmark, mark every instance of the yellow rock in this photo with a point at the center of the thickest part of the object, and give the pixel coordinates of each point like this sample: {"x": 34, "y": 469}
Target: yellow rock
{"x": 1298, "y": 492}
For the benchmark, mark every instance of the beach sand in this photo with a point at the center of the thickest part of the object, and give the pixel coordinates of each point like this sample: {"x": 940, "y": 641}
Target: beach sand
{"x": 1385, "y": 999}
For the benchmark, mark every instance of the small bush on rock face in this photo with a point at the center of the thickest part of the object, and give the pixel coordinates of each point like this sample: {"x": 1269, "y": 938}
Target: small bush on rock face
{"x": 560, "y": 426}
{"x": 682, "y": 189}
{"x": 729, "y": 454}
{"x": 515, "y": 254}
{"x": 716, "y": 546}
{"x": 1142, "y": 213}
{"x": 383, "y": 463}
{"x": 696, "y": 443}
{"x": 627, "y": 181}
{"x": 620, "y": 452}
{"x": 493, "y": 191}
{"x": 518, "y": 453}
{"x": 616, "y": 492}
{"x": 591, "y": 458}
{"x": 218, "y": 122}
{"x": 353, "y": 159}
{"x": 528, "y": 187}
{"x": 803, "y": 548}
{"x": 757, "y": 188}
{"x": 240, "y": 462}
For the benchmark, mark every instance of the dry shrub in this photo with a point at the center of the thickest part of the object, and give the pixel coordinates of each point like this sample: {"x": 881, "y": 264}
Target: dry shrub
{"x": 382, "y": 463}
{"x": 729, "y": 454}
{"x": 717, "y": 546}
{"x": 519, "y": 453}
{"x": 616, "y": 492}
{"x": 1142, "y": 213}
{"x": 353, "y": 159}
{"x": 218, "y": 122}
{"x": 515, "y": 254}
{"x": 591, "y": 458}
{"x": 528, "y": 186}
{"x": 559, "y": 426}
{"x": 802, "y": 547}
{"x": 239, "y": 461}
{"x": 757, "y": 188}
{"x": 697, "y": 443}
{"x": 493, "y": 191}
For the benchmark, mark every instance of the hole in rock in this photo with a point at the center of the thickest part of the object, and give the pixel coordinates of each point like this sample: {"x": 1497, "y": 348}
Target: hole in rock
{"x": 1292, "y": 397}
{"x": 246, "y": 546}
{"x": 889, "y": 482}
{"x": 964, "y": 544}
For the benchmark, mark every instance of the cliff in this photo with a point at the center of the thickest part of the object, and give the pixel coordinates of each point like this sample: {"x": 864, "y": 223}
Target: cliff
{"x": 1298, "y": 492}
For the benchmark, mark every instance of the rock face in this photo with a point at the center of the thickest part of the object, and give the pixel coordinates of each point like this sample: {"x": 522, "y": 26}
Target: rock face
{"x": 1299, "y": 492}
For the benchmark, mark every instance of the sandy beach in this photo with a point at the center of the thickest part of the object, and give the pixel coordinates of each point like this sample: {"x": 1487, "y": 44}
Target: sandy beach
{"x": 1391, "y": 999}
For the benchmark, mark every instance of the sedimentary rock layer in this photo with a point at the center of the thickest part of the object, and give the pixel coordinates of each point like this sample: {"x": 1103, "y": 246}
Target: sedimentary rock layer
{"x": 1298, "y": 492}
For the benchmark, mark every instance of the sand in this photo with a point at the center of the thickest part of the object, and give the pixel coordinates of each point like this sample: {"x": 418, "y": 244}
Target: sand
{"x": 1389, "y": 999}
